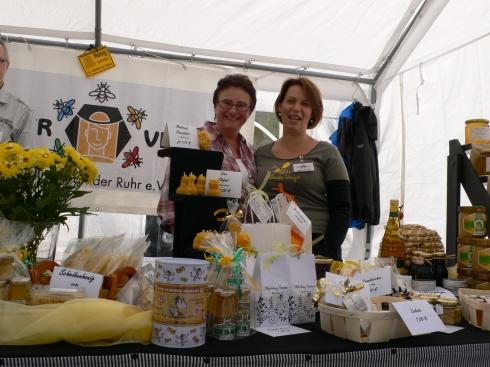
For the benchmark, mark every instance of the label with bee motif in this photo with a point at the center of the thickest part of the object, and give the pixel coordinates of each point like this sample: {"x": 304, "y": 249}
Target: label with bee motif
{"x": 181, "y": 271}
{"x": 180, "y": 304}
{"x": 174, "y": 336}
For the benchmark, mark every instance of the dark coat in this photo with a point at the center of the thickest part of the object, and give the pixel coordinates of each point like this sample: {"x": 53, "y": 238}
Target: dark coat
{"x": 357, "y": 145}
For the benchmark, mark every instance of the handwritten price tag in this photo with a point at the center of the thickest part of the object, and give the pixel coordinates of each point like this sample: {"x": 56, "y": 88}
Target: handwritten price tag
{"x": 379, "y": 280}
{"x": 419, "y": 317}
{"x": 180, "y": 135}
{"x": 230, "y": 183}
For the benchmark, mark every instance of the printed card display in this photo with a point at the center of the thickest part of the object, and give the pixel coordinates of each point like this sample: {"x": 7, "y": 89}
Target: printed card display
{"x": 301, "y": 226}
{"x": 334, "y": 288}
{"x": 66, "y": 278}
{"x": 259, "y": 207}
{"x": 379, "y": 280}
{"x": 280, "y": 206}
{"x": 230, "y": 183}
{"x": 270, "y": 305}
{"x": 180, "y": 135}
{"x": 419, "y": 317}
{"x": 276, "y": 331}
{"x": 302, "y": 280}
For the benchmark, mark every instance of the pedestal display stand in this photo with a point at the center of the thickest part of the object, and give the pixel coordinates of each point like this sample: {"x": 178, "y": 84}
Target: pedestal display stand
{"x": 192, "y": 213}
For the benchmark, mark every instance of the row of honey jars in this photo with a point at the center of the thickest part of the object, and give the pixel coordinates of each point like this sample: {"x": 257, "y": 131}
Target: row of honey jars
{"x": 474, "y": 261}
{"x": 426, "y": 266}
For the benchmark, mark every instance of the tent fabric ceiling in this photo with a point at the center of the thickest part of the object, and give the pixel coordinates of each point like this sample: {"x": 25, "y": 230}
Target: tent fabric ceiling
{"x": 345, "y": 36}
{"x": 459, "y": 23}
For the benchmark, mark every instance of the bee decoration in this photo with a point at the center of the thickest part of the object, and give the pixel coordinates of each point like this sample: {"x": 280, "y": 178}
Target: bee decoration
{"x": 136, "y": 117}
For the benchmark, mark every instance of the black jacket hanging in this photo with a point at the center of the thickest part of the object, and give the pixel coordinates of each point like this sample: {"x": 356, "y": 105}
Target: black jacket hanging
{"x": 357, "y": 145}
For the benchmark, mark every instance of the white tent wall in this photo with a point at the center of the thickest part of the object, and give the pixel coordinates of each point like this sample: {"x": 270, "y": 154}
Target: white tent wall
{"x": 437, "y": 98}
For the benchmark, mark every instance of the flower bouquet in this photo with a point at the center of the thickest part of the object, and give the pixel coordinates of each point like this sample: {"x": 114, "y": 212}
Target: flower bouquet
{"x": 37, "y": 186}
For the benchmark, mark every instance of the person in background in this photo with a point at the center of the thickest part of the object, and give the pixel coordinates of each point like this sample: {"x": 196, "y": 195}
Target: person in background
{"x": 234, "y": 100}
{"x": 15, "y": 115}
{"x": 309, "y": 171}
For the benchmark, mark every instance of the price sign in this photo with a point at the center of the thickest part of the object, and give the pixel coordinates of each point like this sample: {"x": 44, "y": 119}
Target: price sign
{"x": 419, "y": 317}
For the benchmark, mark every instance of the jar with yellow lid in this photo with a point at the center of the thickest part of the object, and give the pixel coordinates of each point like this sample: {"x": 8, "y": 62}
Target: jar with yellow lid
{"x": 476, "y": 131}
{"x": 19, "y": 289}
{"x": 449, "y": 310}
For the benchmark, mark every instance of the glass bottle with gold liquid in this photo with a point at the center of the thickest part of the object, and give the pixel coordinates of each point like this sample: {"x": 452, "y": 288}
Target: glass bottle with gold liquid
{"x": 392, "y": 243}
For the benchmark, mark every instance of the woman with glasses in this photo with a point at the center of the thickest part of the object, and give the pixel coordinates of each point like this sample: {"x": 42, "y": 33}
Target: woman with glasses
{"x": 234, "y": 100}
{"x": 310, "y": 172}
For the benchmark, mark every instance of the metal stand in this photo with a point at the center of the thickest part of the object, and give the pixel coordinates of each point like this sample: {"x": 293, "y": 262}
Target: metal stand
{"x": 461, "y": 172}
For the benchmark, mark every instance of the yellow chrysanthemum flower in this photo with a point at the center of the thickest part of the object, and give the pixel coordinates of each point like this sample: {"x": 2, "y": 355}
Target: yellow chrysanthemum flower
{"x": 25, "y": 159}
{"x": 8, "y": 169}
{"x": 9, "y": 151}
{"x": 60, "y": 162}
{"x": 72, "y": 154}
{"x": 43, "y": 158}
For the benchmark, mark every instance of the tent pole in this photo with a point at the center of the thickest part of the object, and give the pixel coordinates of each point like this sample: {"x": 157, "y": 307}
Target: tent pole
{"x": 98, "y": 22}
{"x": 195, "y": 59}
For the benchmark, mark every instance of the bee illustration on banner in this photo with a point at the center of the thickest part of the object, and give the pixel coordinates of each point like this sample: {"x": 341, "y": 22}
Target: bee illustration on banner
{"x": 64, "y": 109}
{"x": 132, "y": 158}
{"x": 136, "y": 117}
{"x": 102, "y": 93}
{"x": 58, "y": 147}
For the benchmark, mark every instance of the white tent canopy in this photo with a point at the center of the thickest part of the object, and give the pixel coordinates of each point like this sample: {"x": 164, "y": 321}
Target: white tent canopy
{"x": 426, "y": 59}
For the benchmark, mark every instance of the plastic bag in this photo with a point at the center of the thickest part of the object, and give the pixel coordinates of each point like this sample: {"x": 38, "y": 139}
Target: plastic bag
{"x": 88, "y": 321}
{"x": 104, "y": 255}
{"x": 138, "y": 290}
{"x": 13, "y": 236}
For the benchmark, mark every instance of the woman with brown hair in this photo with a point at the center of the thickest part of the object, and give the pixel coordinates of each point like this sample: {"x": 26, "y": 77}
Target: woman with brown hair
{"x": 310, "y": 171}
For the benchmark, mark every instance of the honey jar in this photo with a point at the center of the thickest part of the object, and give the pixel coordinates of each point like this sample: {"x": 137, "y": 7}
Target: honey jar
{"x": 19, "y": 289}
{"x": 472, "y": 221}
{"x": 6, "y": 266}
{"x": 476, "y": 131}
{"x": 449, "y": 310}
{"x": 224, "y": 309}
{"x": 4, "y": 290}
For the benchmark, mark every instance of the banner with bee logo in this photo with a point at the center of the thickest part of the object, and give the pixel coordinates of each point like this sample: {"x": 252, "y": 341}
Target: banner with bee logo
{"x": 118, "y": 125}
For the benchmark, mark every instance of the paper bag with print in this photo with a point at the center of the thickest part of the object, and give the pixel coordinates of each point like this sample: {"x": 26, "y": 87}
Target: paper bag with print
{"x": 302, "y": 280}
{"x": 270, "y": 300}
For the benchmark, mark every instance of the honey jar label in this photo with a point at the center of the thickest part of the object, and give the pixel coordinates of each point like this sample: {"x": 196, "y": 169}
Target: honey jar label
{"x": 480, "y": 135}
{"x": 464, "y": 256}
{"x": 484, "y": 258}
{"x": 180, "y": 304}
{"x": 173, "y": 336}
{"x": 475, "y": 224}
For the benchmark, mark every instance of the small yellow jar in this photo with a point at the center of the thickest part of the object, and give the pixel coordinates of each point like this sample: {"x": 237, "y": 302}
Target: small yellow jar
{"x": 6, "y": 267}
{"x": 449, "y": 310}
{"x": 4, "y": 290}
{"x": 19, "y": 289}
{"x": 476, "y": 131}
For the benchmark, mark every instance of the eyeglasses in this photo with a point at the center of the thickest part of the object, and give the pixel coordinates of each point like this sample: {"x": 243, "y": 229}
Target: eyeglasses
{"x": 3, "y": 61}
{"x": 227, "y": 104}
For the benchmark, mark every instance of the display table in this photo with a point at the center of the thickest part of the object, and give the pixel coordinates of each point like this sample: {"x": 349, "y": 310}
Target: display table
{"x": 468, "y": 347}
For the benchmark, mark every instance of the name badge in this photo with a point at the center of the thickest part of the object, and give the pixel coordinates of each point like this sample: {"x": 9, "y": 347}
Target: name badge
{"x": 303, "y": 167}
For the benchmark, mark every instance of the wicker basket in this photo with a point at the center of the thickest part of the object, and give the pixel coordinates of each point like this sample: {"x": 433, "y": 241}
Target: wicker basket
{"x": 383, "y": 325}
{"x": 475, "y": 312}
